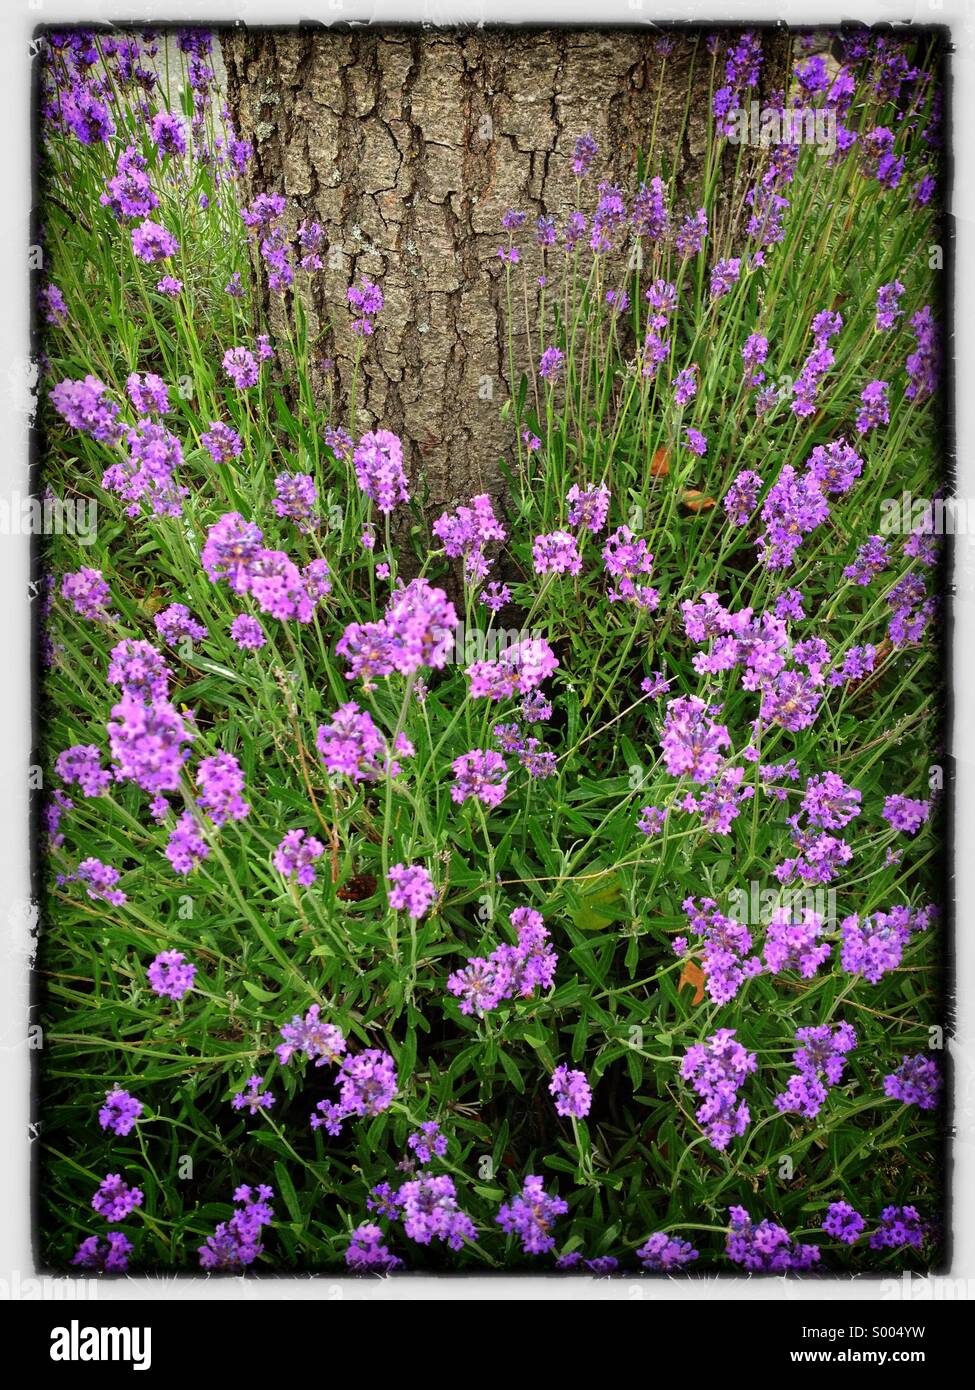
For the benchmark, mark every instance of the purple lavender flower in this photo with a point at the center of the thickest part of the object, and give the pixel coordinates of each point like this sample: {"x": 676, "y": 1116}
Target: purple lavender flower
{"x": 924, "y": 363}
{"x": 628, "y": 561}
{"x": 170, "y": 976}
{"x": 236, "y": 1243}
{"x": 573, "y": 1096}
{"x": 429, "y": 1210}
{"x": 428, "y": 1143}
{"x": 899, "y": 1226}
{"x": 530, "y": 1215}
{"x": 819, "y": 1063}
{"x": 767, "y": 1247}
{"x": 872, "y": 557}
{"x": 366, "y": 1253}
{"x": 129, "y": 193}
{"x": 586, "y": 150}
{"x": 412, "y": 890}
{"x": 110, "y": 1257}
{"x": 556, "y": 553}
{"x": 81, "y": 765}
{"x": 176, "y": 625}
{"x": 509, "y": 971}
{"x": 99, "y": 880}
{"x": 367, "y": 1085}
{"x": 691, "y": 235}
{"x": 741, "y": 497}
{"x": 834, "y": 468}
{"x": 247, "y": 632}
{"x": 167, "y": 133}
{"x": 319, "y": 1042}
{"x": 519, "y": 669}
{"x": 792, "y": 945}
{"x": 186, "y": 847}
{"x": 52, "y": 304}
{"x": 252, "y": 1098}
{"x": 723, "y": 276}
{"x": 120, "y": 1111}
{"x": 379, "y": 472}
{"x": 114, "y": 1198}
{"x": 295, "y": 857}
{"x": 240, "y": 366}
{"x": 716, "y": 1070}
{"x": 905, "y": 813}
{"x": 365, "y": 300}
{"x": 843, "y": 1222}
{"x": 151, "y": 242}
{"x": 695, "y": 441}
{"x": 692, "y": 739}
{"x": 917, "y": 1081}
{"x": 88, "y": 594}
{"x": 663, "y": 1254}
{"x": 480, "y": 773}
{"x": 588, "y": 507}
{"x": 888, "y": 297}
{"x": 726, "y": 945}
{"x": 221, "y": 442}
{"x": 685, "y": 385}
{"x": 794, "y": 507}
{"x": 551, "y": 363}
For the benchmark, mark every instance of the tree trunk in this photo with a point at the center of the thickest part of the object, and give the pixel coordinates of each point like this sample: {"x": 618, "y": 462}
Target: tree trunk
{"x": 408, "y": 146}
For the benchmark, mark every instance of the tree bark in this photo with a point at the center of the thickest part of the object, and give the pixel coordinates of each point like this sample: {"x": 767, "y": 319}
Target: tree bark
{"x": 408, "y": 146}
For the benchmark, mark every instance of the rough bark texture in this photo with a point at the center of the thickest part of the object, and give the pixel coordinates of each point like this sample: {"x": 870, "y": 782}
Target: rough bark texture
{"x": 408, "y": 146}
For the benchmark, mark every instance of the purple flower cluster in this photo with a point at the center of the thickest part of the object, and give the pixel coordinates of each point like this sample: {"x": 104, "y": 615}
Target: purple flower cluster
{"x": 416, "y": 630}
{"x": 427, "y": 1206}
{"x": 819, "y": 1062}
{"x": 114, "y": 1198}
{"x": 367, "y": 1085}
{"x": 692, "y": 740}
{"x": 767, "y": 1247}
{"x": 467, "y": 532}
{"x": 628, "y": 561}
{"x": 110, "y": 1257}
{"x": 120, "y": 1111}
{"x": 792, "y": 945}
{"x": 556, "y": 553}
{"x": 411, "y": 890}
{"x": 899, "y": 1226}
{"x": 428, "y": 1142}
{"x": 319, "y": 1042}
{"x": 573, "y": 1095}
{"x": 170, "y": 975}
{"x": 717, "y": 1069}
{"x": 366, "y": 301}
{"x": 917, "y": 1081}
{"x": 482, "y": 774}
{"x": 366, "y": 1253}
{"x": 350, "y": 745}
{"x": 588, "y": 507}
{"x": 726, "y": 945}
{"x": 662, "y": 1254}
{"x": 252, "y": 1097}
{"x": 531, "y": 1215}
{"x": 295, "y": 857}
{"x": 843, "y": 1222}
{"x": 519, "y": 669}
{"x": 906, "y": 813}
{"x": 874, "y": 946}
{"x": 509, "y": 972}
{"x": 236, "y": 1243}
{"x": 378, "y": 460}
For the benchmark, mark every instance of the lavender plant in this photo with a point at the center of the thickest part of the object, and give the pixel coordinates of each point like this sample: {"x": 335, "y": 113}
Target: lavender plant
{"x": 554, "y": 882}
